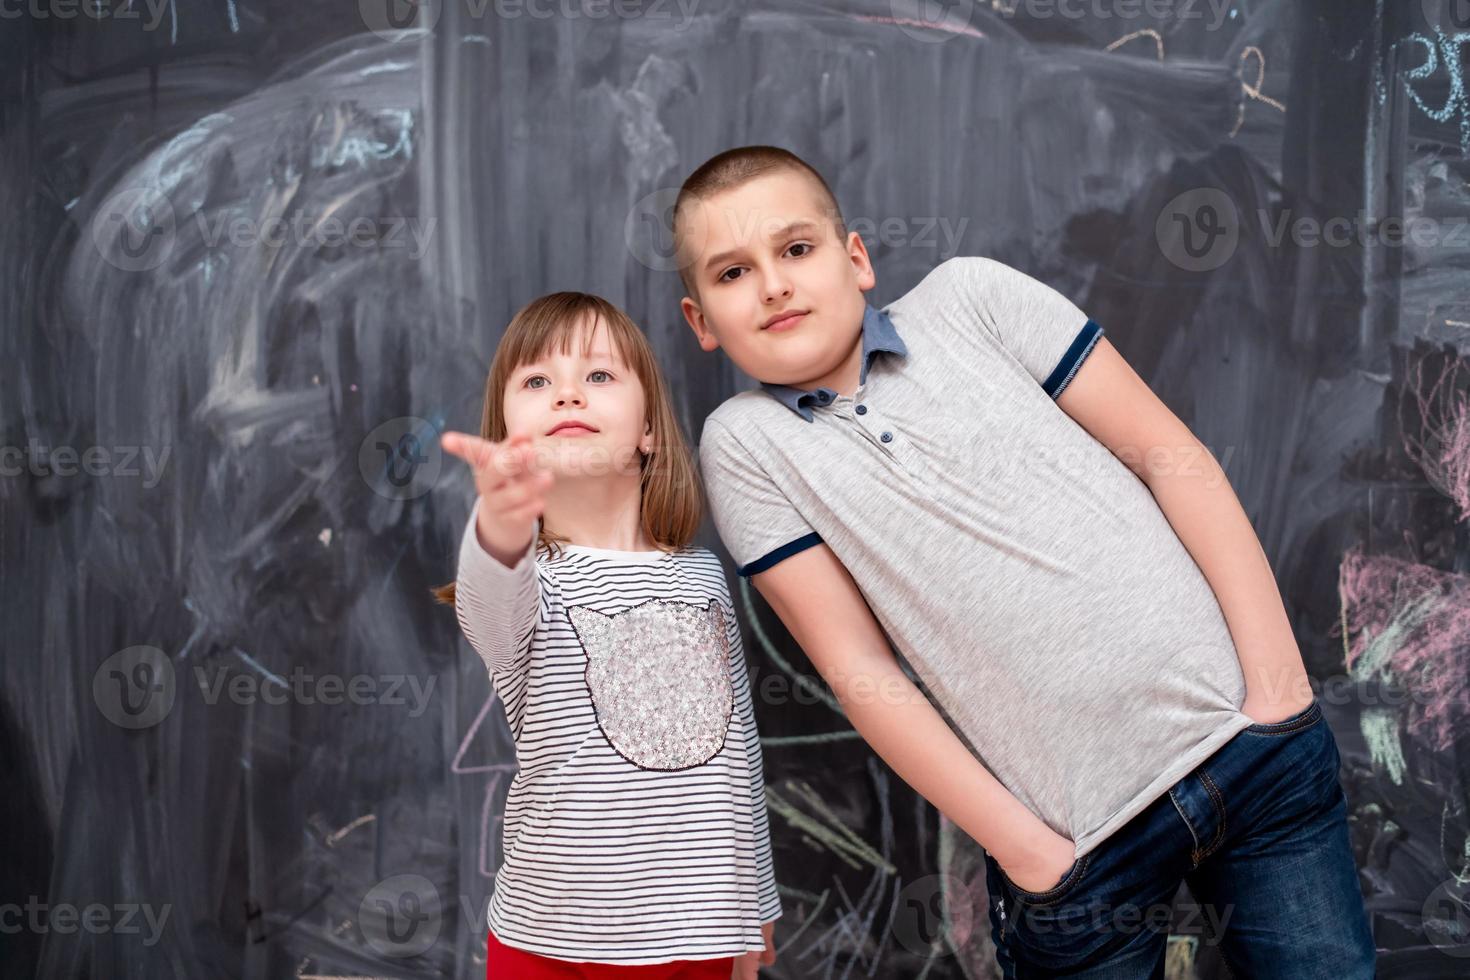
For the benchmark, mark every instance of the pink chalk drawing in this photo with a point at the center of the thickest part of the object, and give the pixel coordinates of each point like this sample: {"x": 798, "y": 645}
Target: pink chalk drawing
{"x": 1410, "y": 623}
{"x": 1434, "y": 419}
{"x": 491, "y": 824}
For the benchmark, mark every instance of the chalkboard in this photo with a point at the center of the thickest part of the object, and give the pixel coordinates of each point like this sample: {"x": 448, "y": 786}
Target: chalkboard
{"x": 259, "y": 253}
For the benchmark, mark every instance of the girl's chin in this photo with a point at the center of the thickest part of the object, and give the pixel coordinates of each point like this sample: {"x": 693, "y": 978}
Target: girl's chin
{"x": 569, "y": 460}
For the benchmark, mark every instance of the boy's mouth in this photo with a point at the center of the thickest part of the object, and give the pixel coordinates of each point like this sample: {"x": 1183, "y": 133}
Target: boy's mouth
{"x": 785, "y": 321}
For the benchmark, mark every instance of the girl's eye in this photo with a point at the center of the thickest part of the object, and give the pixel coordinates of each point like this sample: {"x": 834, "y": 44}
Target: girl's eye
{"x": 540, "y": 377}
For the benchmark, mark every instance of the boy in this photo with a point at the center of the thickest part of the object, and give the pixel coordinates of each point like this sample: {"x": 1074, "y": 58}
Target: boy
{"x": 1112, "y": 696}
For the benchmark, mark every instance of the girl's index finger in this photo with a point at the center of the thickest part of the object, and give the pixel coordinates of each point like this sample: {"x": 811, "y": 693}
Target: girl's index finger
{"x": 473, "y": 450}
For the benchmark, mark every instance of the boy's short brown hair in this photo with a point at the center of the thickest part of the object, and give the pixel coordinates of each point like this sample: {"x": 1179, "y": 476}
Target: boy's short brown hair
{"x": 733, "y": 168}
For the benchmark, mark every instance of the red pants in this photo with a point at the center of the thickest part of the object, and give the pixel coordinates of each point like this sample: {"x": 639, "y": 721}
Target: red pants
{"x": 508, "y": 963}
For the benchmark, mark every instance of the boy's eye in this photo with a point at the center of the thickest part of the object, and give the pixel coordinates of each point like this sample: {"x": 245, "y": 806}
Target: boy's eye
{"x": 808, "y": 246}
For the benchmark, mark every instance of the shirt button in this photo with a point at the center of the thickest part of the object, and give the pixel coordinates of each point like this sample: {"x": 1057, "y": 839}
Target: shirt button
{"x": 887, "y": 437}
{"x": 862, "y": 410}
{"x": 823, "y": 396}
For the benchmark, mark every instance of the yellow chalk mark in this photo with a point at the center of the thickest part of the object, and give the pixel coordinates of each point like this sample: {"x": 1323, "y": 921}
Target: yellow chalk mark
{"x": 1146, "y": 32}
{"x": 337, "y": 835}
{"x": 1254, "y": 91}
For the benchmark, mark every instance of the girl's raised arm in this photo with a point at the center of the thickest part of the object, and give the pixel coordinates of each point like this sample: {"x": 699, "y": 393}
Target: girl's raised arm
{"x": 497, "y": 606}
{"x": 498, "y": 595}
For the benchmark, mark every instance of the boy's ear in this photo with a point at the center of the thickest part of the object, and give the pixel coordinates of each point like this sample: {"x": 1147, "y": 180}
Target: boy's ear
{"x": 694, "y": 316}
{"x": 861, "y": 264}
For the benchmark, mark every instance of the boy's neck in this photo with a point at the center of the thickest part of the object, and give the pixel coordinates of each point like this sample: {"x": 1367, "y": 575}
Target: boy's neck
{"x": 844, "y": 378}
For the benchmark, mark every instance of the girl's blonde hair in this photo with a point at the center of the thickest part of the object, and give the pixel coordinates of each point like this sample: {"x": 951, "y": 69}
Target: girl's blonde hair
{"x": 671, "y": 504}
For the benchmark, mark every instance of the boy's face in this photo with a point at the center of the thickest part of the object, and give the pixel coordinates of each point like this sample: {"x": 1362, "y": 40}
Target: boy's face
{"x": 764, "y": 249}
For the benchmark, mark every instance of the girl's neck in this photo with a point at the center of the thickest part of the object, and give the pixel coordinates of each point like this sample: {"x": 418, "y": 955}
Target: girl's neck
{"x": 598, "y": 512}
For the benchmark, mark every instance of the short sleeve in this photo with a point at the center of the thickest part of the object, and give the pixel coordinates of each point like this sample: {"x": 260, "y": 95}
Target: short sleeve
{"x": 1042, "y": 329}
{"x": 757, "y": 523}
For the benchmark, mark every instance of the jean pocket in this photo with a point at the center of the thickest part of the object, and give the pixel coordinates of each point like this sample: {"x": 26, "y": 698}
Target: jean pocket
{"x": 1305, "y": 718}
{"x": 1058, "y": 891}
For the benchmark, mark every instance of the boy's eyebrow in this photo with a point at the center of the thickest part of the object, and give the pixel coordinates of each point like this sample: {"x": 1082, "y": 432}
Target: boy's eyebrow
{"x": 799, "y": 225}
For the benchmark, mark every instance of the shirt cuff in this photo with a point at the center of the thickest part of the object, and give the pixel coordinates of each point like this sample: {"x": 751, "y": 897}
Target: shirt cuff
{"x": 478, "y": 565}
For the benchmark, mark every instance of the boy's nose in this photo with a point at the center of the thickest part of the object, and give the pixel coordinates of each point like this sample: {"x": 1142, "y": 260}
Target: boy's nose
{"x": 777, "y": 286}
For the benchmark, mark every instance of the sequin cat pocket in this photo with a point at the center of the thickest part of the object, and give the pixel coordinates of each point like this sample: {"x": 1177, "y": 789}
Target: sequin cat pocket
{"x": 659, "y": 674}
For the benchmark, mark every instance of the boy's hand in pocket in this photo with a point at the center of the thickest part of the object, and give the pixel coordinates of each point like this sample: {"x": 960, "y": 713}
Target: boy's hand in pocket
{"x": 1046, "y": 867}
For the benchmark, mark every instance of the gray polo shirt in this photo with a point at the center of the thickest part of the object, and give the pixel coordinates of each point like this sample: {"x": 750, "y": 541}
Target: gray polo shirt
{"x": 1024, "y": 573}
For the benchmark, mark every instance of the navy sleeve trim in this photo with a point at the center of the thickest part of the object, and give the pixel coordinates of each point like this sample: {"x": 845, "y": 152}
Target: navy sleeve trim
{"x": 1086, "y": 339}
{"x": 780, "y": 554}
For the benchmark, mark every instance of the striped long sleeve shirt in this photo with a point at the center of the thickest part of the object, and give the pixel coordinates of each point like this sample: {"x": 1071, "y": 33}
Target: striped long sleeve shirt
{"x": 635, "y": 828}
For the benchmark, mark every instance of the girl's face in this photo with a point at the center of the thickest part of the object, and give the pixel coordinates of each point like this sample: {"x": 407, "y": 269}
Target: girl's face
{"x": 585, "y": 414}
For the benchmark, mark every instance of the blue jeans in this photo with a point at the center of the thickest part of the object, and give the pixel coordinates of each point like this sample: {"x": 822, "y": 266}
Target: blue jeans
{"x": 1258, "y": 832}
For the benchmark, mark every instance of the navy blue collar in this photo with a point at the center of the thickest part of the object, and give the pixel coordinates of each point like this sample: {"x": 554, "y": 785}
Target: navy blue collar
{"x": 879, "y": 334}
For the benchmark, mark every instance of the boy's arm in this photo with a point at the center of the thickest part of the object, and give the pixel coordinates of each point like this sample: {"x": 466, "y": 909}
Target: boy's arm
{"x": 1066, "y": 353}
{"x": 823, "y": 610}
{"x": 1108, "y": 399}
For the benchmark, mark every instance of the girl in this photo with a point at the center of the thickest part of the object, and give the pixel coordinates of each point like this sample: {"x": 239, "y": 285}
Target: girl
{"x": 636, "y": 840}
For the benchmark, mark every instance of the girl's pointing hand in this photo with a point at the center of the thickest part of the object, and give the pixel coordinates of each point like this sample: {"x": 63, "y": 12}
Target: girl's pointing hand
{"x": 512, "y": 487}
